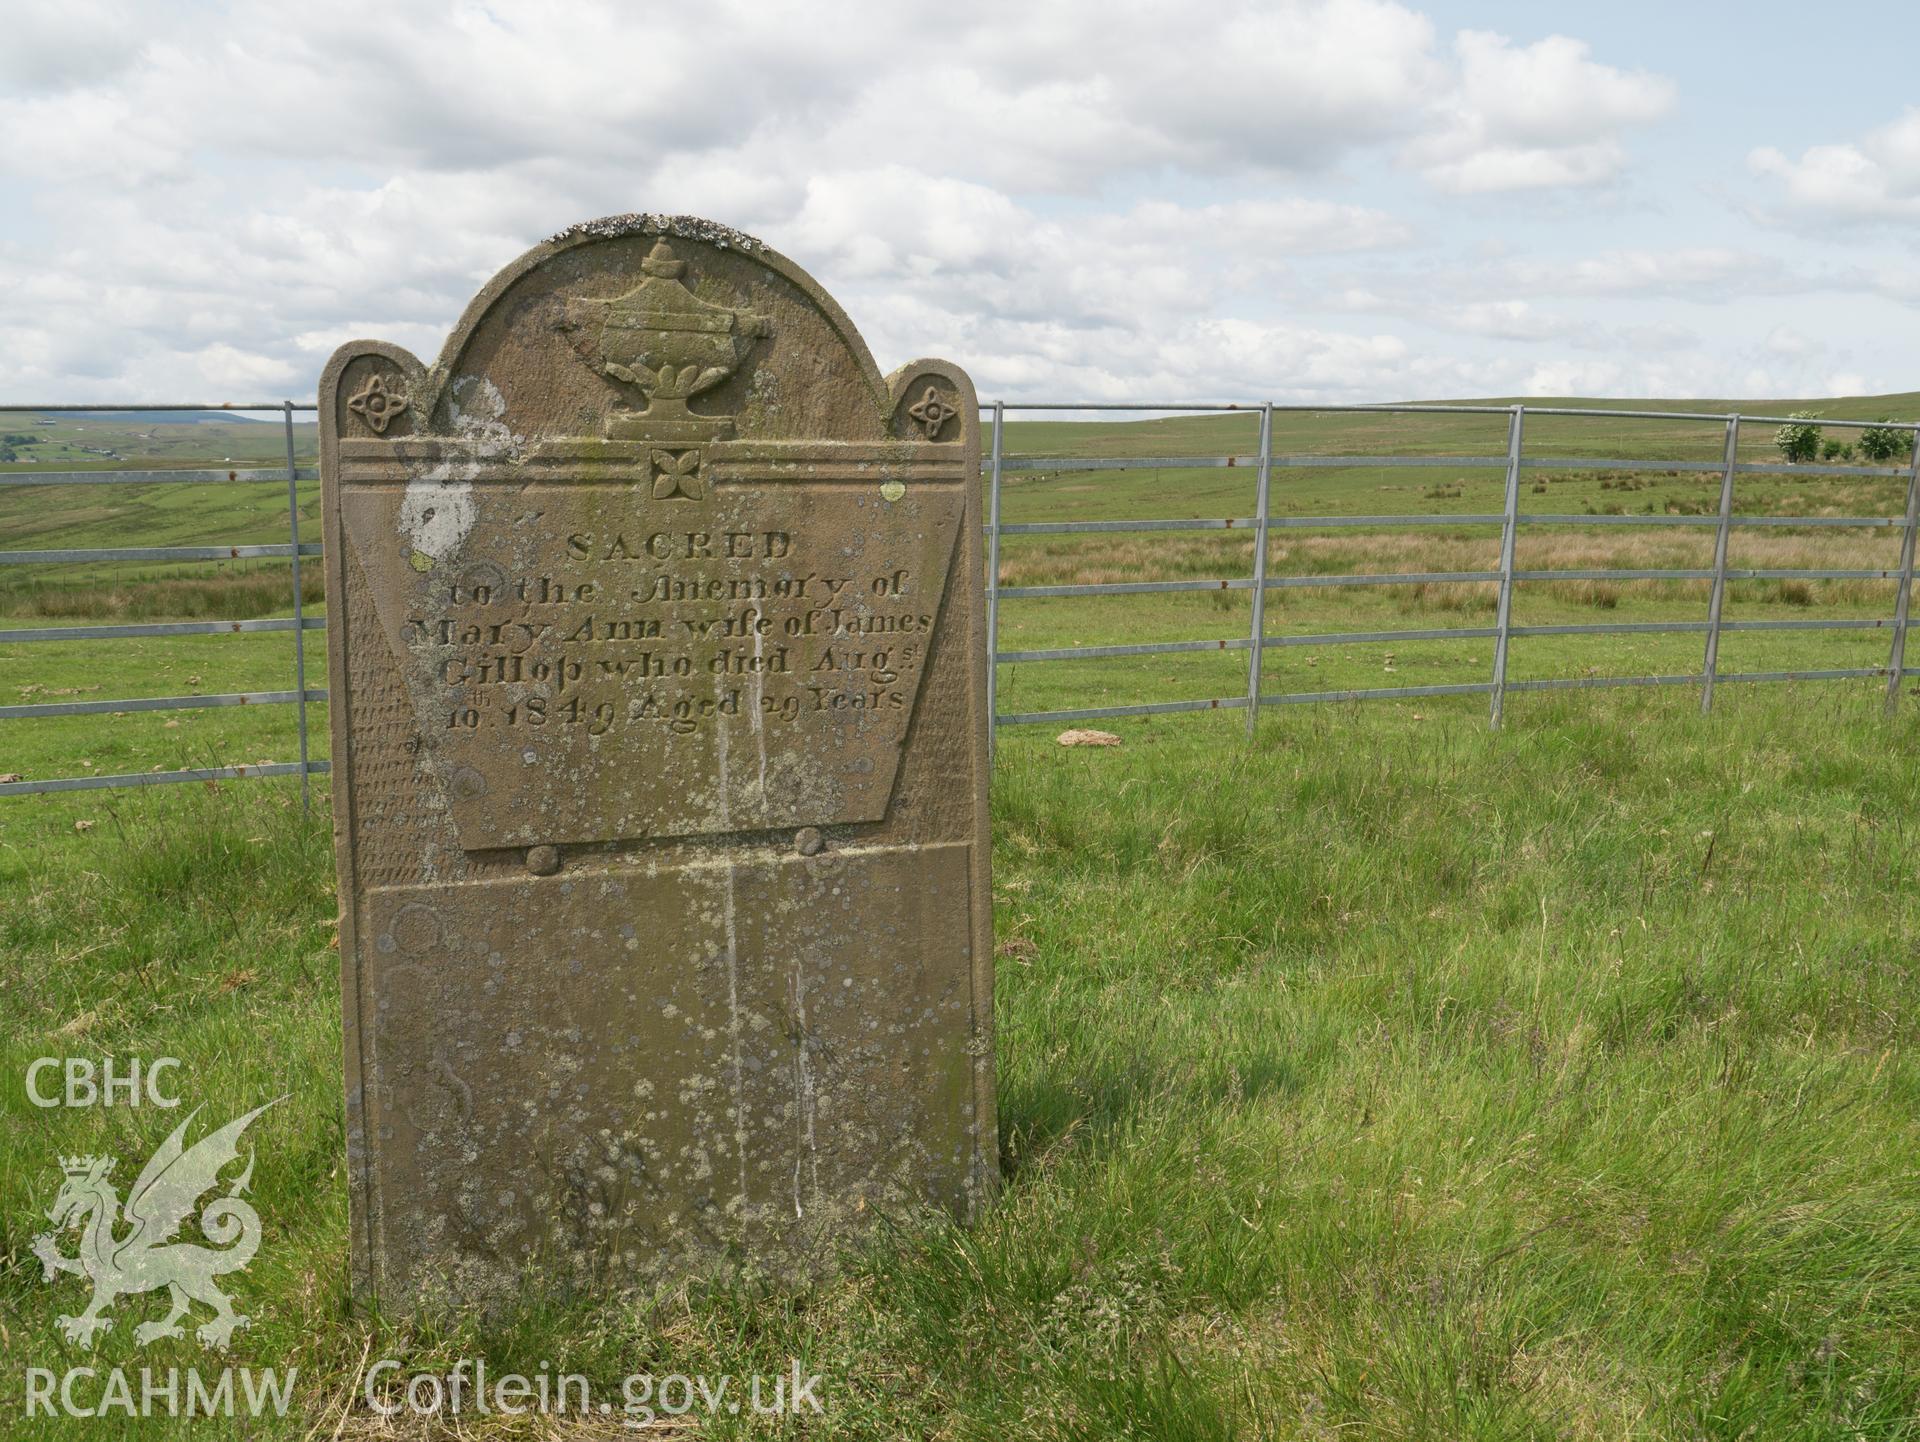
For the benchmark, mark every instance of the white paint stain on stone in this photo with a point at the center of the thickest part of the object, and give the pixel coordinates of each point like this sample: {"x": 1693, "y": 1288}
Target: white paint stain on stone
{"x": 438, "y": 509}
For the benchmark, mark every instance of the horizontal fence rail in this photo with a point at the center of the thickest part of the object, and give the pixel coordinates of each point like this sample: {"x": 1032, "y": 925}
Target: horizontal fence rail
{"x": 289, "y": 475}
{"x": 156, "y": 553}
{"x": 1260, "y": 527}
{"x": 302, "y": 769}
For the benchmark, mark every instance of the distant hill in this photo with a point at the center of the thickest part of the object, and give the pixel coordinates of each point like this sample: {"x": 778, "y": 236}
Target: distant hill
{"x": 1897, "y": 406}
{"x": 168, "y": 418}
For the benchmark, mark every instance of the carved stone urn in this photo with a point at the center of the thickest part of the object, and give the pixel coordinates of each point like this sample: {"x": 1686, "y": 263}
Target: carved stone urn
{"x": 668, "y": 344}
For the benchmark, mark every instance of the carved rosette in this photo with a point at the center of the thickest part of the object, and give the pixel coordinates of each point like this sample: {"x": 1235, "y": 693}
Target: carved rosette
{"x": 932, "y": 411}
{"x": 378, "y": 403}
{"x": 677, "y": 474}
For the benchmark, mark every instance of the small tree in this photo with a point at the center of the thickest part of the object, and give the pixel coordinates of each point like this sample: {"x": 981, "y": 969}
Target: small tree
{"x": 1798, "y": 441}
{"x": 1832, "y": 450}
{"x": 1884, "y": 443}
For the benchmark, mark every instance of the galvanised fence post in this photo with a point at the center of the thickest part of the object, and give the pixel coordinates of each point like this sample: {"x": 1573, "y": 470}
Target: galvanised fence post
{"x": 299, "y": 615}
{"x": 1718, "y": 598}
{"x": 1260, "y": 514}
{"x": 1896, "y": 662}
{"x": 1503, "y": 622}
{"x": 993, "y": 580}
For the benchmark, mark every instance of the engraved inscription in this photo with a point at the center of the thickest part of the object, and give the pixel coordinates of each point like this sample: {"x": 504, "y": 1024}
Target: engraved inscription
{"x": 765, "y": 646}
{"x": 636, "y": 628}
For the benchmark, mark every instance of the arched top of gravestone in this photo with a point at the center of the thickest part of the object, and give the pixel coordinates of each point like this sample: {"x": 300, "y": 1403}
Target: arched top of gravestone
{"x": 653, "y": 329}
{"x": 649, "y": 441}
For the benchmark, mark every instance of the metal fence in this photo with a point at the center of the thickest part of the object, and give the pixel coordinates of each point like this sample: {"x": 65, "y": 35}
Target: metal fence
{"x": 1261, "y": 526}
{"x": 300, "y": 623}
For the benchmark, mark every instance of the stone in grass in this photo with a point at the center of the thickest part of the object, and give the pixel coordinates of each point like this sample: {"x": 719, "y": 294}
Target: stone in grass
{"x": 658, "y": 701}
{"x": 1080, "y": 737}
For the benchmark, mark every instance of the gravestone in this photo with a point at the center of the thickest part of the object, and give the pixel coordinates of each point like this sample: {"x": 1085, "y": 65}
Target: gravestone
{"x": 657, "y": 680}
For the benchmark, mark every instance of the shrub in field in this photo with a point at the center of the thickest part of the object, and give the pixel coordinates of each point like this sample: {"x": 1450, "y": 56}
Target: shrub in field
{"x": 1797, "y": 440}
{"x": 233, "y": 596}
{"x": 1883, "y": 443}
{"x": 1836, "y": 451}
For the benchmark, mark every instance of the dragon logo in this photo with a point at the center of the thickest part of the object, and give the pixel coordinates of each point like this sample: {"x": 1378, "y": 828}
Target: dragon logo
{"x": 145, "y": 1258}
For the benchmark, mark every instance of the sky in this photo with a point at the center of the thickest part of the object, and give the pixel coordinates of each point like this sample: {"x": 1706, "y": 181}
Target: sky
{"x": 1301, "y": 200}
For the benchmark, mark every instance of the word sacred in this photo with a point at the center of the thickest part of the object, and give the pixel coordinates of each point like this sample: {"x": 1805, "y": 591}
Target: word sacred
{"x": 682, "y": 545}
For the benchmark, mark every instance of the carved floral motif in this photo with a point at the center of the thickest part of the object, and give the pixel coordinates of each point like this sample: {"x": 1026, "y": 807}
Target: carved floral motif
{"x": 933, "y": 410}
{"x": 377, "y": 404}
{"x": 678, "y": 475}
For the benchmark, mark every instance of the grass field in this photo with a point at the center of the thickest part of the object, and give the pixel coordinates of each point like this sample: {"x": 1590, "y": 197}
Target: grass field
{"x": 1377, "y": 1077}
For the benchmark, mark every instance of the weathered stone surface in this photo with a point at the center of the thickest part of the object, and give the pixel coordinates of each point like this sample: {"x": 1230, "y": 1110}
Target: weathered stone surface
{"x": 660, "y": 775}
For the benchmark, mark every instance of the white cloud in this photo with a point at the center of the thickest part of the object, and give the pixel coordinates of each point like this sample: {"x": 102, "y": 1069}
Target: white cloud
{"x": 1055, "y": 95}
{"x": 1294, "y": 225}
{"x": 1508, "y": 320}
{"x": 1876, "y": 178}
{"x": 1891, "y": 282}
{"x": 1738, "y": 375}
{"x": 1523, "y": 322}
{"x": 1500, "y": 296}
{"x": 1067, "y": 95}
{"x": 230, "y": 178}
{"x": 51, "y": 44}
{"x": 894, "y": 225}
{"x": 1272, "y": 85}
{"x": 1702, "y": 273}
{"x": 1094, "y": 304}
{"x": 1785, "y": 340}
{"x": 1092, "y": 197}
{"x": 1529, "y": 117}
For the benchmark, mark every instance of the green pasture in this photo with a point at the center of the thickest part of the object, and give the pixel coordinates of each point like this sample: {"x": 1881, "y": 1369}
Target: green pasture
{"x": 1376, "y": 1076}
{"x": 48, "y": 517}
{"x": 1382, "y": 1077}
